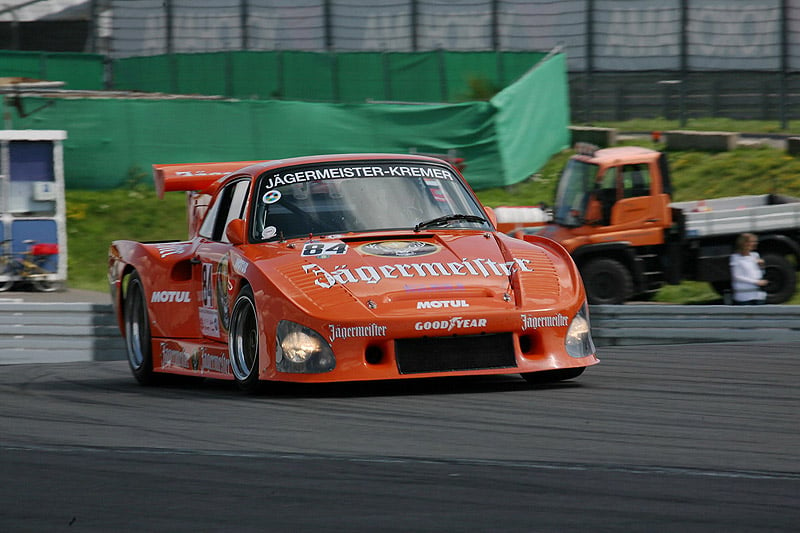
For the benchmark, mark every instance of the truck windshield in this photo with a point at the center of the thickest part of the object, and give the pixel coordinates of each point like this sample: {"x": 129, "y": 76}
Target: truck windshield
{"x": 358, "y": 196}
{"x": 574, "y": 188}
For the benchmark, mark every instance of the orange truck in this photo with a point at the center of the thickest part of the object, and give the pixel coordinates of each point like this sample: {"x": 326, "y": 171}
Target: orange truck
{"x": 614, "y": 213}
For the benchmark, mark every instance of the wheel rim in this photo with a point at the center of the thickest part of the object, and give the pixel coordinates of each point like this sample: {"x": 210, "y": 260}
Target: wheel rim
{"x": 244, "y": 339}
{"x": 135, "y": 324}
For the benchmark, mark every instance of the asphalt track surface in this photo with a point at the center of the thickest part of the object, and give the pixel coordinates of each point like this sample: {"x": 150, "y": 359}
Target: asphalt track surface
{"x": 670, "y": 438}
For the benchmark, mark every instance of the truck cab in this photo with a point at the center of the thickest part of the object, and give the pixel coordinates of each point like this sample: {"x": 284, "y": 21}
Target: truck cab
{"x": 611, "y": 211}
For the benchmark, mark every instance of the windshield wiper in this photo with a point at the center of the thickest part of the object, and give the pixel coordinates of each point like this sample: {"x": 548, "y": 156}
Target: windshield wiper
{"x": 441, "y": 221}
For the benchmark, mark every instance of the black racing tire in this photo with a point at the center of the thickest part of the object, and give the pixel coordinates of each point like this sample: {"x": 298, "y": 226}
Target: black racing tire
{"x": 607, "y": 281}
{"x": 721, "y": 287}
{"x": 45, "y": 285}
{"x": 6, "y": 268}
{"x": 137, "y": 332}
{"x": 243, "y": 343}
{"x": 781, "y": 277}
{"x": 552, "y": 376}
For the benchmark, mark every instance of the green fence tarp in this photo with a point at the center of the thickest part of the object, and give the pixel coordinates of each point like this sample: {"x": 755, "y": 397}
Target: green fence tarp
{"x": 502, "y": 141}
{"x": 342, "y": 77}
{"x": 532, "y": 120}
{"x": 77, "y": 71}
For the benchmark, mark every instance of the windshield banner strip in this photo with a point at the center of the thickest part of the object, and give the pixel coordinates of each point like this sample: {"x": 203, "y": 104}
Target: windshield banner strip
{"x": 366, "y": 171}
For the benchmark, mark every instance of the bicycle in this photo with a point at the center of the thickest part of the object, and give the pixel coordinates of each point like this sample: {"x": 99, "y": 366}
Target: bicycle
{"x": 28, "y": 266}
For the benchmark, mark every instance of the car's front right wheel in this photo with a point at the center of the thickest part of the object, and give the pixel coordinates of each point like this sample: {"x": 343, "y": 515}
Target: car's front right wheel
{"x": 243, "y": 341}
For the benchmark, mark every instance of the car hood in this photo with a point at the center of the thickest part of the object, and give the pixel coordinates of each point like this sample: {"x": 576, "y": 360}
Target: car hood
{"x": 401, "y": 274}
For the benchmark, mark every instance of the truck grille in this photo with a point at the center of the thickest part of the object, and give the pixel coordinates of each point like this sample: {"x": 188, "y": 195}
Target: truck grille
{"x": 450, "y": 354}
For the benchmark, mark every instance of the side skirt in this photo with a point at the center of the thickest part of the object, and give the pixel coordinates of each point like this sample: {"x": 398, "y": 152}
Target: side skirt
{"x": 204, "y": 359}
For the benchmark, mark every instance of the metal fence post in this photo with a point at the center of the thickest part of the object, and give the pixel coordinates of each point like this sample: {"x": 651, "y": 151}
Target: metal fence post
{"x": 170, "y": 37}
{"x": 327, "y": 15}
{"x": 244, "y": 15}
{"x": 588, "y": 85}
{"x": 682, "y": 89}
{"x": 784, "y": 75}
{"x": 414, "y": 25}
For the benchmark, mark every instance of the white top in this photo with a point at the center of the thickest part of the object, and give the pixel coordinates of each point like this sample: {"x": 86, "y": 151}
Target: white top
{"x": 745, "y": 274}
{"x": 33, "y": 135}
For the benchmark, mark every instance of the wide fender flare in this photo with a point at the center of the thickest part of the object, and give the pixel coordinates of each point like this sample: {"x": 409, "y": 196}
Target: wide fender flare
{"x": 153, "y": 262}
{"x": 510, "y": 245}
{"x": 272, "y": 304}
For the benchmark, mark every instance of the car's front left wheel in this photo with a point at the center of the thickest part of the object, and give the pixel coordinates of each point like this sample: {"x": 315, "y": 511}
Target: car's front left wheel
{"x": 243, "y": 341}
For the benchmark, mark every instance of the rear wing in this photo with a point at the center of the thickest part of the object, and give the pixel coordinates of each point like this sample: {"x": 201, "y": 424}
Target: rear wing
{"x": 192, "y": 176}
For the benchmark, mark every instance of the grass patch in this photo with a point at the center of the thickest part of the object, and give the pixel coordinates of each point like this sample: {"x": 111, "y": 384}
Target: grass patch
{"x": 695, "y": 124}
{"x": 95, "y": 218}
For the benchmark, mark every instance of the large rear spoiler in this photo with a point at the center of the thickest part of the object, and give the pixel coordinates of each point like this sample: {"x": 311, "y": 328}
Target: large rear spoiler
{"x": 192, "y": 176}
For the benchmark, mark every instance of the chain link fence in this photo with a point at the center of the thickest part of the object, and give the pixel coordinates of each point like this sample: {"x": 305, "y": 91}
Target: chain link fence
{"x": 626, "y": 58}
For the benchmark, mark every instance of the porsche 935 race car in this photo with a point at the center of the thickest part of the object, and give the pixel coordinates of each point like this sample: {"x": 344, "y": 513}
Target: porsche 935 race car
{"x": 344, "y": 268}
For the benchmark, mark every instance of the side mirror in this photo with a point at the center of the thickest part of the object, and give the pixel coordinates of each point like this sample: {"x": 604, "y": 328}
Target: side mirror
{"x": 491, "y": 214}
{"x": 235, "y": 231}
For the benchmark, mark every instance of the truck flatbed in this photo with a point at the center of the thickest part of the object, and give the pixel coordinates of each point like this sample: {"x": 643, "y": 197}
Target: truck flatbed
{"x": 739, "y": 214}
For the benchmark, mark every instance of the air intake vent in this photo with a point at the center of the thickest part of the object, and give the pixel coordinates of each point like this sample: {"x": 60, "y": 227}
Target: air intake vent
{"x": 450, "y": 354}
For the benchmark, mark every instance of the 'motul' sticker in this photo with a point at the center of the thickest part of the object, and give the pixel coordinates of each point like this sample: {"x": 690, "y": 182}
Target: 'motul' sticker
{"x": 270, "y": 197}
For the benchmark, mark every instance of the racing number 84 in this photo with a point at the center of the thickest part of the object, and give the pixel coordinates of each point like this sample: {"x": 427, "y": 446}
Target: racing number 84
{"x": 311, "y": 249}
{"x": 208, "y": 287}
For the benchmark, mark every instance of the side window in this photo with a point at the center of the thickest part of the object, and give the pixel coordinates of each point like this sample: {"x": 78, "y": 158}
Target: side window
{"x": 607, "y": 194}
{"x": 237, "y": 206}
{"x": 635, "y": 180}
{"x": 230, "y": 204}
{"x": 609, "y": 179}
{"x": 207, "y": 229}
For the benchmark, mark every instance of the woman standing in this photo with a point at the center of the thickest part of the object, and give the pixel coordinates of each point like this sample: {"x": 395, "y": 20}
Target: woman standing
{"x": 746, "y": 273}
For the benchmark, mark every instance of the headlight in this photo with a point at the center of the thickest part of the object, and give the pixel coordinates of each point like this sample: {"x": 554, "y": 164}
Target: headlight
{"x": 579, "y": 335}
{"x": 302, "y": 350}
{"x": 299, "y": 346}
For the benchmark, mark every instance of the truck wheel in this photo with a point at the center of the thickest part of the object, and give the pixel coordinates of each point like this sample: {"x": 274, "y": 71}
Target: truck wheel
{"x": 782, "y": 278}
{"x": 721, "y": 287}
{"x": 607, "y": 281}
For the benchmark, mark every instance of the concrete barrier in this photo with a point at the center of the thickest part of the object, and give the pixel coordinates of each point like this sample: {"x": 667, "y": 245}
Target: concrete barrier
{"x": 620, "y": 325}
{"x": 602, "y": 137}
{"x": 66, "y": 332}
{"x": 793, "y": 145}
{"x": 704, "y": 141}
{"x": 57, "y": 332}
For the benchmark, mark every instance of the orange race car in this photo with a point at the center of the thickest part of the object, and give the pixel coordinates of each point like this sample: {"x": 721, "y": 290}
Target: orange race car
{"x": 344, "y": 268}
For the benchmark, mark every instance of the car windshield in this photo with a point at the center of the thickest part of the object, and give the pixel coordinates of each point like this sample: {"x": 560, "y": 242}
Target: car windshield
{"x": 356, "y": 196}
{"x": 576, "y": 184}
